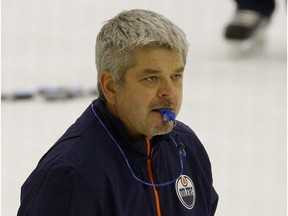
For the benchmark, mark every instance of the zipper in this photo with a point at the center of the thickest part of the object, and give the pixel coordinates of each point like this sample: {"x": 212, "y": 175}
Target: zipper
{"x": 150, "y": 172}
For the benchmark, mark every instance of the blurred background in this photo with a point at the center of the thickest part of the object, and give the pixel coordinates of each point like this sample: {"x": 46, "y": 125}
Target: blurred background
{"x": 235, "y": 94}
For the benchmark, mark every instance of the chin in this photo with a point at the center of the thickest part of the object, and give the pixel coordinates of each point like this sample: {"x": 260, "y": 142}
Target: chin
{"x": 161, "y": 130}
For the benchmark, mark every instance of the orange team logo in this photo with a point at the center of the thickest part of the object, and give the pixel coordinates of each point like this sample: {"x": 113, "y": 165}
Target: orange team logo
{"x": 185, "y": 191}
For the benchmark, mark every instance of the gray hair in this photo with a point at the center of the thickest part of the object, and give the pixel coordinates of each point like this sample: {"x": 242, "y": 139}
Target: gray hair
{"x": 132, "y": 30}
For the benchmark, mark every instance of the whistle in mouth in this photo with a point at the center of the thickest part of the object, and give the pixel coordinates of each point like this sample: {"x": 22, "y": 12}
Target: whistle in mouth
{"x": 167, "y": 115}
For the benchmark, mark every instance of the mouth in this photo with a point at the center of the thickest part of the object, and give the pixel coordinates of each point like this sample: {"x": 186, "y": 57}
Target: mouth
{"x": 166, "y": 114}
{"x": 162, "y": 108}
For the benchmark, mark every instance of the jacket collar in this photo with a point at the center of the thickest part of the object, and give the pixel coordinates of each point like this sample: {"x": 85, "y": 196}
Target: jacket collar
{"x": 118, "y": 130}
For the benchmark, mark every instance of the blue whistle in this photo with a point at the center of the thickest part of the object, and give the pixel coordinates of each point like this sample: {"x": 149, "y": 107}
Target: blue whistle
{"x": 167, "y": 115}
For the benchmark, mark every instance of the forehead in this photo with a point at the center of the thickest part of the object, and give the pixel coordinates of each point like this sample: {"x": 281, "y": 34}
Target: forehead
{"x": 158, "y": 59}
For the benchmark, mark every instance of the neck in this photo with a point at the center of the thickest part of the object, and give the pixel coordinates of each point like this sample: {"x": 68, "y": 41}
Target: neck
{"x": 133, "y": 136}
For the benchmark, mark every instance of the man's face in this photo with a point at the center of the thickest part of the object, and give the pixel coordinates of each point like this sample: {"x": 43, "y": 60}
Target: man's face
{"x": 155, "y": 82}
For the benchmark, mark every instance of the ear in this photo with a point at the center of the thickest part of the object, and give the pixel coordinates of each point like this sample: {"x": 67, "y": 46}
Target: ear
{"x": 108, "y": 86}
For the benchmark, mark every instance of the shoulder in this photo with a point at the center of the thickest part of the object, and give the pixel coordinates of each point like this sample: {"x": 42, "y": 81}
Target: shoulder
{"x": 191, "y": 141}
{"x": 80, "y": 142}
{"x": 185, "y": 132}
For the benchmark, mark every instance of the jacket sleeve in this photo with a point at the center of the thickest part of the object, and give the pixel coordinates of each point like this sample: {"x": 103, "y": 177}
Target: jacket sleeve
{"x": 214, "y": 201}
{"x": 58, "y": 191}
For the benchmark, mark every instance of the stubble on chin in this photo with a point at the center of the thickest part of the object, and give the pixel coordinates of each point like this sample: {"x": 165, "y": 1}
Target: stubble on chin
{"x": 164, "y": 128}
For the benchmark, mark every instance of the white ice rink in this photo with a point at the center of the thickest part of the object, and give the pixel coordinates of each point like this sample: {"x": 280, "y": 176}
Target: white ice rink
{"x": 234, "y": 97}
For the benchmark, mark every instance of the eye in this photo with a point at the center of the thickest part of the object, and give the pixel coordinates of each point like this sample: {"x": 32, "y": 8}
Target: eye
{"x": 151, "y": 78}
{"x": 177, "y": 76}
{"x": 151, "y": 81}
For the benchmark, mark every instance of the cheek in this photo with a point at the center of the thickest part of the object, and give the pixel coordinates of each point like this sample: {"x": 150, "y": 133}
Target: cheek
{"x": 180, "y": 96}
{"x": 133, "y": 100}
{"x": 141, "y": 100}
{"x": 177, "y": 100}
{"x": 141, "y": 95}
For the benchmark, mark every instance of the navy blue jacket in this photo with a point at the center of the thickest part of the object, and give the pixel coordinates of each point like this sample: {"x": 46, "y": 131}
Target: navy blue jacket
{"x": 87, "y": 173}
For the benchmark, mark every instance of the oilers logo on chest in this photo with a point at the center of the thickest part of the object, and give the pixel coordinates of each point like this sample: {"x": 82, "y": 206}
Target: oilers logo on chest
{"x": 185, "y": 191}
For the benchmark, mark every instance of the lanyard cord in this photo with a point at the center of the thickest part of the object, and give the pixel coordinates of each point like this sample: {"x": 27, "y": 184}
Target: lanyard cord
{"x": 181, "y": 154}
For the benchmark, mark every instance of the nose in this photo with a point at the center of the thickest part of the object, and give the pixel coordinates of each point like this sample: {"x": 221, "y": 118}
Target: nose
{"x": 166, "y": 89}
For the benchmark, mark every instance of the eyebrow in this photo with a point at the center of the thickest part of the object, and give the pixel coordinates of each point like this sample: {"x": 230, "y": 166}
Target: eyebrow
{"x": 152, "y": 71}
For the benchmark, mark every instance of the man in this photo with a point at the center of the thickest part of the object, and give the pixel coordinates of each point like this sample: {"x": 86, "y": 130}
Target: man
{"x": 125, "y": 155}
